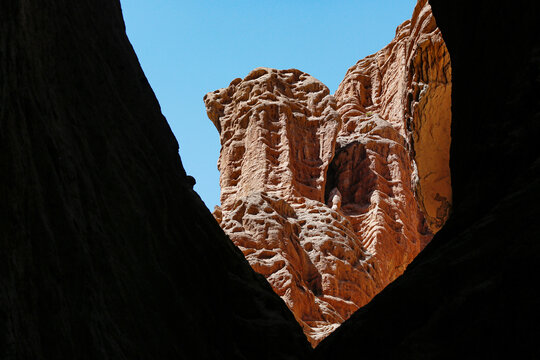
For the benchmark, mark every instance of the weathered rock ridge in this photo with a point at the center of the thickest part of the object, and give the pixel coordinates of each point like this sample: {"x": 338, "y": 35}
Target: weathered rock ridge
{"x": 330, "y": 197}
{"x": 472, "y": 293}
{"x": 408, "y": 83}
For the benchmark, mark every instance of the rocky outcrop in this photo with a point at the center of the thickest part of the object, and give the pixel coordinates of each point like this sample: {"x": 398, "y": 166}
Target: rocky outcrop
{"x": 471, "y": 293}
{"x": 278, "y": 131}
{"x": 408, "y": 83}
{"x": 324, "y": 197}
{"x": 106, "y": 252}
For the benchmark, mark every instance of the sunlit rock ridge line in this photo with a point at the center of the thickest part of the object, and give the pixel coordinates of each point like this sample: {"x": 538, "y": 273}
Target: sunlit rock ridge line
{"x": 330, "y": 197}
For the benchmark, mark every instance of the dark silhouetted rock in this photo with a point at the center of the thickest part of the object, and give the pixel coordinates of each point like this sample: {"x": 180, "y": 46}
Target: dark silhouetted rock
{"x": 191, "y": 180}
{"x": 105, "y": 250}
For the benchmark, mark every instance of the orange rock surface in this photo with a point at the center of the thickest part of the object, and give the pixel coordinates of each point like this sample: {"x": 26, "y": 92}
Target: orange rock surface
{"x": 330, "y": 198}
{"x": 408, "y": 83}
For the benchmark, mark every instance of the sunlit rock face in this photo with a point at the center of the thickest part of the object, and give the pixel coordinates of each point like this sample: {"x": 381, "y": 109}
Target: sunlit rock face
{"x": 330, "y": 198}
{"x": 277, "y": 131}
{"x": 372, "y": 170}
{"x": 408, "y": 83}
{"x": 472, "y": 293}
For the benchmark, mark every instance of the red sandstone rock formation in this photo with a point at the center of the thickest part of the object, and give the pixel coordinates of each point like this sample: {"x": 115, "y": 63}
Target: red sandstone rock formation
{"x": 320, "y": 195}
{"x": 473, "y": 293}
{"x": 408, "y": 83}
{"x": 278, "y": 132}
{"x": 278, "y": 129}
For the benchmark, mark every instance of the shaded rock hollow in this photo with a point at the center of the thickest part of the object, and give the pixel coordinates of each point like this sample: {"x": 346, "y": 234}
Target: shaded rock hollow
{"x": 330, "y": 197}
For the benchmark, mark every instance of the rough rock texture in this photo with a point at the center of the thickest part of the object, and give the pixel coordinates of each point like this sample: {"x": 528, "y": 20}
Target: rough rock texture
{"x": 278, "y": 128}
{"x": 385, "y": 146}
{"x": 326, "y": 210}
{"x": 278, "y": 131}
{"x": 408, "y": 83}
{"x": 106, "y": 252}
{"x": 372, "y": 170}
{"x": 472, "y": 292}
{"x": 329, "y": 238}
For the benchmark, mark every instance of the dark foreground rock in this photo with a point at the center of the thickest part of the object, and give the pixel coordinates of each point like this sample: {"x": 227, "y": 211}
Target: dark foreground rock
{"x": 473, "y": 292}
{"x": 107, "y": 253}
{"x": 105, "y": 250}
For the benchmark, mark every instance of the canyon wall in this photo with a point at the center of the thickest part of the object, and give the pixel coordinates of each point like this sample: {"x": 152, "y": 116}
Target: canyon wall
{"x": 408, "y": 83}
{"x": 106, "y": 252}
{"x": 331, "y": 197}
{"x": 472, "y": 293}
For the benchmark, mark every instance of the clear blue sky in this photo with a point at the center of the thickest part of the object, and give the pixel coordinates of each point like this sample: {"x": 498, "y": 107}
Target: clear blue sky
{"x": 190, "y": 47}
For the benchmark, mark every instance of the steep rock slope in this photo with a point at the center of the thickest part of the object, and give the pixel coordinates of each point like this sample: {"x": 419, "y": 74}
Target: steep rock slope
{"x": 408, "y": 83}
{"x": 319, "y": 195}
{"x": 106, "y": 251}
{"x": 472, "y": 292}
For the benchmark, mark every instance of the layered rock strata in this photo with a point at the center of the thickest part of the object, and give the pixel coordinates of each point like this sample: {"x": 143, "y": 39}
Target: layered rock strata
{"x": 325, "y": 197}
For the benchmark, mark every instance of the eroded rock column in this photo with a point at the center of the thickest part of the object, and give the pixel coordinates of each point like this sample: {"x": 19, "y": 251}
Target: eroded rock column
{"x": 278, "y": 131}
{"x": 331, "y": 198}
{"x": 408, "y": 83}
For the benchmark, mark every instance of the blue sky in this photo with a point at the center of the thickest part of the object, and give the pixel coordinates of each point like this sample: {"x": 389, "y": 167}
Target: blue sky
{"x": 188, "y": 48}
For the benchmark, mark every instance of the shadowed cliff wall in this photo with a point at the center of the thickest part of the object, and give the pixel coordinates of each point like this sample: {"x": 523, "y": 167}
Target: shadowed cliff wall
{"x": 106, "y": 252}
